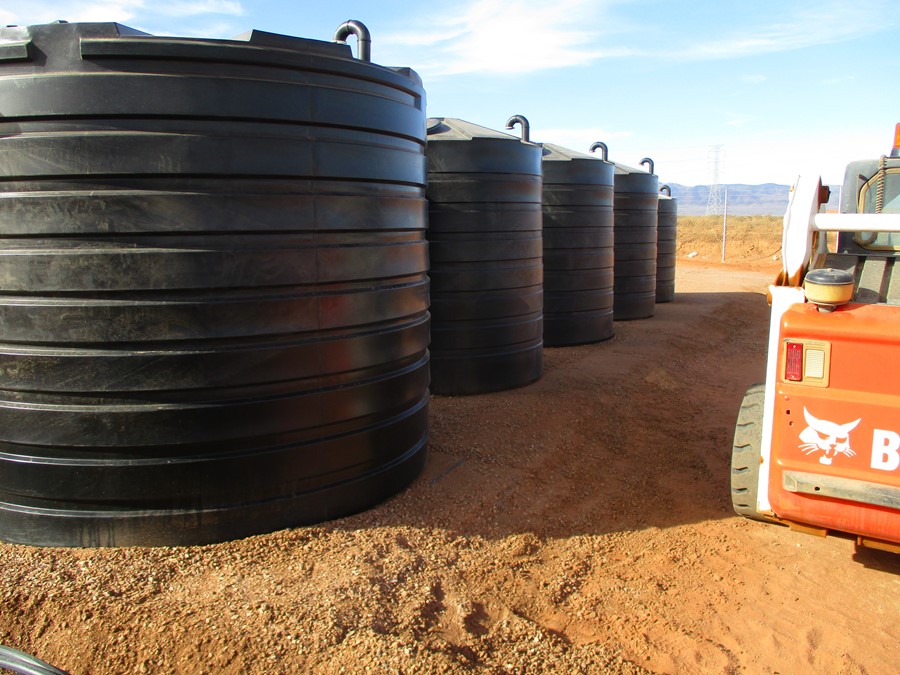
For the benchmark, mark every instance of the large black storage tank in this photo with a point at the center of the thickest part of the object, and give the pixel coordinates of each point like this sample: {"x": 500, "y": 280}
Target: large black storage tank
{"x": 578, "y": 247}
{"x": 213, "y": 285}
{"x": 484, "y": 235}
{"x": 636, "y": 198}
{"x": 666, "y": 245}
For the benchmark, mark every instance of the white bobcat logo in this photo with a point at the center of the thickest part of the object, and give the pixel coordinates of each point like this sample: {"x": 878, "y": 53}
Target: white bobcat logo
{"x": 830, "y": 438}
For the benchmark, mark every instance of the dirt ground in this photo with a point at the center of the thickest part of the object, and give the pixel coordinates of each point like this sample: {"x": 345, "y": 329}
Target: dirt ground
{"x": 580, "y": 524}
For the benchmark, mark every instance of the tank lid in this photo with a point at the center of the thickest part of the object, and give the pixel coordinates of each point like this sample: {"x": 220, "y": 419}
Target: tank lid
{"x": 101, "y": 31}
{"x": 557, "y": 153}
{"x": 452, "y": 129}
{"x": 830, "y": 276}
{"x": 563, "y": 166}
{"x": 631, "y": 179}
{"x": 261, "y": 38}
{"x": 457, "y": 146}
{"x": 624, "y": 168}
{"x": 90, "y": 30}
{"x": 436, "y": 125}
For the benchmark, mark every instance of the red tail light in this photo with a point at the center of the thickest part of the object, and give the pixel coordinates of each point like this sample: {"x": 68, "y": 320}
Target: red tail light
{"x": 793, "y": 362}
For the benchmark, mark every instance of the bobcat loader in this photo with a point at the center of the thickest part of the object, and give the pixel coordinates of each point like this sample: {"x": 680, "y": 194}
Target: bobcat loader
{"x": 817, "y": 447}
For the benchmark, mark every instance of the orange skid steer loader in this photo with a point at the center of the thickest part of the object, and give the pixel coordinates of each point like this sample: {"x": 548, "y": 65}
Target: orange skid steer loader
{"x": 817, "y": 447}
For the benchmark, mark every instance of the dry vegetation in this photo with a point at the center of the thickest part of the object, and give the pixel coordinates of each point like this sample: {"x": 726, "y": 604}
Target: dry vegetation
{"x": 747, "y": 238}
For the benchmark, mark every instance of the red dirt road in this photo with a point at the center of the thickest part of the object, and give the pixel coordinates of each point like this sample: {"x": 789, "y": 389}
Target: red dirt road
{"x": 580, "y": 524}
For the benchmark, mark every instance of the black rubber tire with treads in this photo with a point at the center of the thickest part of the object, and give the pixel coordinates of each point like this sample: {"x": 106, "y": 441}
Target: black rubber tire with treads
{"x": 745, "y": 454}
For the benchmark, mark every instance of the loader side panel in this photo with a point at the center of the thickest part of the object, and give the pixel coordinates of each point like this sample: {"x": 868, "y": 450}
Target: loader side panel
{"x": 836, "y": 432}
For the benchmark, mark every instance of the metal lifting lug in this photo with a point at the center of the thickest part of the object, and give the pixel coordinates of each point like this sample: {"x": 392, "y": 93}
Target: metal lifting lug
{"x": 363, "y": 38}
{"x": 604, "y": 154}
{"x": 526, "y": 127}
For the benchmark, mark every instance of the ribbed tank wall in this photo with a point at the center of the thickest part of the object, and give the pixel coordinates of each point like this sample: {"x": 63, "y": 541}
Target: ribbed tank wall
{"x": 213, "y": 285}
{"x": 665, "y": 248}
{"x": 578, "y": 247}
{"x": 484, "y": 192}
{"x": 635, "y": 243}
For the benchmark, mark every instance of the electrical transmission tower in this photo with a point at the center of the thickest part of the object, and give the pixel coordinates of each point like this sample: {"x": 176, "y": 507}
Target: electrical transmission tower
{"x": 714, "y": 201}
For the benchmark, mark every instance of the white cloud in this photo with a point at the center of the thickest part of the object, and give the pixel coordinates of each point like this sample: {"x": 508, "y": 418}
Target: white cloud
{"x": 498, "y": 37}
{"x": 831, "y": 81}
{"x": 216, "y": 30}
{"x": 806, "y": 24}
{"x": 197, "y": 7}
{"x": 581, "y": 138}
{"x": 739, "y": 120}
{"x": 495, "y": 36}
{"x": 30, "y": 13}
{"x": 121, "y": 11}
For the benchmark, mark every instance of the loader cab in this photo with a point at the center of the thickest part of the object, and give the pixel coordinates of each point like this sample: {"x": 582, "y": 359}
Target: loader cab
{"x": 872, "y": 186}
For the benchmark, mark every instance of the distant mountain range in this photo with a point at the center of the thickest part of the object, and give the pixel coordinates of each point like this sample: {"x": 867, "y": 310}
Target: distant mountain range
{"x": 742, "y": 200}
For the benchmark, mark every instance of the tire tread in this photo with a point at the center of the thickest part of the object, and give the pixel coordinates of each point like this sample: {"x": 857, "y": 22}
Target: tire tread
{"x": 745, "y": 454}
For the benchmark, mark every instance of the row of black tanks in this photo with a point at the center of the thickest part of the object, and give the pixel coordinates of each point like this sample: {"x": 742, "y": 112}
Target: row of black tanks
{"x": 218, "y": 316}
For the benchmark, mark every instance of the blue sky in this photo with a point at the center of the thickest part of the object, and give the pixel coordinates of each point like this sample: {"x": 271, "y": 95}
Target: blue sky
{"x": 784, "y": 86}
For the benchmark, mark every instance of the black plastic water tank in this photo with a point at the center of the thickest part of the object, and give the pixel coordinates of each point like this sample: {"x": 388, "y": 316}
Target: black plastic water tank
{"x": 665, "y": 245}
{"x": 578, "y": 247}
{"x": 636, "y": 197}
{"x": 213, "y": 285}
{"x": 484, "y": 192}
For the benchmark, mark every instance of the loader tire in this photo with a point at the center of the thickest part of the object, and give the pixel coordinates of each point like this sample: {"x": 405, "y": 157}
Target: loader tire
{"x": 745, "y": 454}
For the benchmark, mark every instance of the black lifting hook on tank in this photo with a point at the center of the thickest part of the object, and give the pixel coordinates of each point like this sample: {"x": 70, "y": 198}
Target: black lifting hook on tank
{"x": 526, "y": 127}
{"x": 667, "y": 189}
{"x": 604, "y": 155}
{"x": 363, "y": 37}
{"x": 648, "y": 162}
